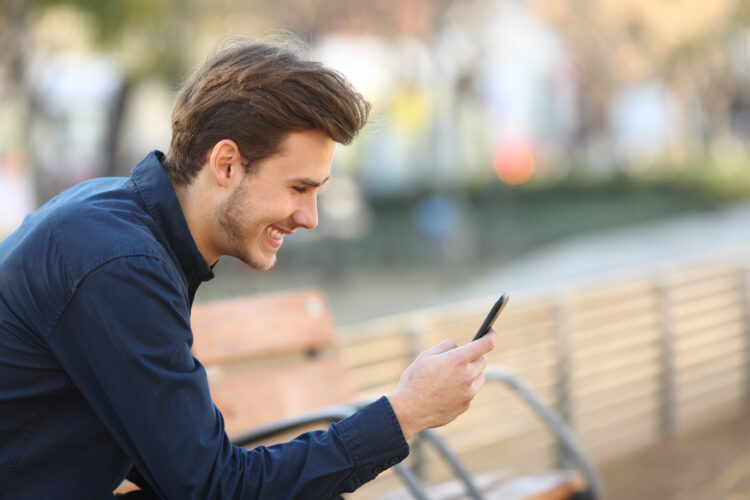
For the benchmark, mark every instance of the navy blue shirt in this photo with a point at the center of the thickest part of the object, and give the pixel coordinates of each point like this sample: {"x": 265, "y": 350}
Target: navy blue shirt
{"x": 96, "y": 373}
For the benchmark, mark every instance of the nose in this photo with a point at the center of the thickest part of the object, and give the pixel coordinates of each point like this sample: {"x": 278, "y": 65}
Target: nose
{"x": 306, "y": 215}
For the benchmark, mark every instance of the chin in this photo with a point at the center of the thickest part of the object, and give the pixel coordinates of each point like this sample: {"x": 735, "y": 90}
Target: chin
{"x": 257, "y": 264}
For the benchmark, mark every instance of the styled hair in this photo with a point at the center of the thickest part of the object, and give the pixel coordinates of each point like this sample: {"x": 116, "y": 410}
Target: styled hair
{"x": 255, "y": 93}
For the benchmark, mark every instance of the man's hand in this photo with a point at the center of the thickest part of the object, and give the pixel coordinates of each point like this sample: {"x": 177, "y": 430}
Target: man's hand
{"x": 440, "y": 384}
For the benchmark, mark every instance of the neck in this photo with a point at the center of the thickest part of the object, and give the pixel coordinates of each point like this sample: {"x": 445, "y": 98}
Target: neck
{"x": 197, "y": 211}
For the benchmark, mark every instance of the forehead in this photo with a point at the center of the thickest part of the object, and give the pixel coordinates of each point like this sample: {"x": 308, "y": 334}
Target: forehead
{"x": 295, "y": 142}
{"x": 302, "y": 153}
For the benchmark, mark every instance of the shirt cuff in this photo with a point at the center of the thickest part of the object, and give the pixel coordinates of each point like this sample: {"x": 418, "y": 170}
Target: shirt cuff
{"x": 374, "y": 439}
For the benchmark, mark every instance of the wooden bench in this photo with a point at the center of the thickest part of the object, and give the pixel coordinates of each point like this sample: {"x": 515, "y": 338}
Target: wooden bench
{"x": 270, "y": 357}
{"x": 273, "y": 357}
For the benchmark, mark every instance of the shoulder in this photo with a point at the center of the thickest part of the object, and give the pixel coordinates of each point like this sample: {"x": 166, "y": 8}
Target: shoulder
{"x": 99, "y": 221}
{"x": 81, "y": 230}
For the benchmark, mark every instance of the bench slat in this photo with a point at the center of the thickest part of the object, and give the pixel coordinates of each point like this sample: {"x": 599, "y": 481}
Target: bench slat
{"x": 261, "y": 326}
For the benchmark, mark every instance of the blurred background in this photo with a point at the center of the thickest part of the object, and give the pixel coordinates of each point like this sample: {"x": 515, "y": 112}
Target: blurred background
{"x": 514, "y": 145}
{"x": 499, "y": 127}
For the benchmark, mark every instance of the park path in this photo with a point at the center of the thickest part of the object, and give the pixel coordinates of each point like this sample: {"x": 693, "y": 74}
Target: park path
{"x": 710, "y": 463}
{"x": 636, "y": 249}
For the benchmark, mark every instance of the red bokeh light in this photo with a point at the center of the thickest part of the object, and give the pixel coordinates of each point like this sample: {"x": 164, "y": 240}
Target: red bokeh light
{"x": 514, "y": 161}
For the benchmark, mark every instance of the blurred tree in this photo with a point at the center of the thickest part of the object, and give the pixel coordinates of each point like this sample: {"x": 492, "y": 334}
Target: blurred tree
{"x": 149, "y": 38}
{"x": 162, "y": 38}
{"x": 308, "y": 18}
{"x": 14, "y": 16}
{"x": 165, "y": 38}
{"x": 682, "y": 43}
{"x": 161, "y": 28}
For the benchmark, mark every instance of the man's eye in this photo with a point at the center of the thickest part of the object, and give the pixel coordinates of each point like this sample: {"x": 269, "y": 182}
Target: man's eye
{"x": 300, "y": 189}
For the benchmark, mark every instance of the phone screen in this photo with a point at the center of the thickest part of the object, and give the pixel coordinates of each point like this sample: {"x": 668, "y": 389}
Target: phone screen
{"x": 491, "y": 316}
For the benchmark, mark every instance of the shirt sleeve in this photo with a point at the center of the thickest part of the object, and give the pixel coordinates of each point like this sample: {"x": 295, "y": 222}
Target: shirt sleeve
{"x": 125, "y": 342}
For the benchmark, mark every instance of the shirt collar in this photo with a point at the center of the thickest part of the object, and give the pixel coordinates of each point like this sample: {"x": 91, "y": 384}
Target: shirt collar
{"x": 150, "y": 180}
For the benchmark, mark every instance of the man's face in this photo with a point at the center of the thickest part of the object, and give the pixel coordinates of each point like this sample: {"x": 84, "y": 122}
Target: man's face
{"x": 278, "y": 196}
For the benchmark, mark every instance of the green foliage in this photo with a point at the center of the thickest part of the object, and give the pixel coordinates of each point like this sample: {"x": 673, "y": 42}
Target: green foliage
{"x": 508, "y": 221}
{"x": 741, "y": 12}
{"x": 156, "y": 31}
{"x": 114, "y": 17}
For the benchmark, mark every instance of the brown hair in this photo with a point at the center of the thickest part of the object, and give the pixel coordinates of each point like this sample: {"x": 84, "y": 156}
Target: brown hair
{"x": 254, "y": 93}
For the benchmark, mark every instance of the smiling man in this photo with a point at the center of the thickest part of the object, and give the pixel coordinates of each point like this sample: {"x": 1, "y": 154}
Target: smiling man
{"x": 97, "y": 379}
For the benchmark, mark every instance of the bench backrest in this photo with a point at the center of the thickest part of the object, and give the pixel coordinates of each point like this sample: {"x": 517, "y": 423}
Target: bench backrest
{"x": 269, "y": 356}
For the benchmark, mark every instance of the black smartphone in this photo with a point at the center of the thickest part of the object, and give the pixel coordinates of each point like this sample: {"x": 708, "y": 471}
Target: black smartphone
{"x": 491, "y": 317}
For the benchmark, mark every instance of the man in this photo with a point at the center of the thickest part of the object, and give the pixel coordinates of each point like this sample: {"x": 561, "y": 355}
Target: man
{"x": 96, "y": 374}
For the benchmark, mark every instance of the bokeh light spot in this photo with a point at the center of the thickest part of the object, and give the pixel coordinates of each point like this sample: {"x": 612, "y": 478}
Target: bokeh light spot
{"x": 514, "y": 161}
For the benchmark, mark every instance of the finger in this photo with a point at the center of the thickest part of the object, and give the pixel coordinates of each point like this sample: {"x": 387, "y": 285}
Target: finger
{"x": 477, "y": 348}
{"x": 444, "y": 346}
{"x": 477, "y": 366}
{"x": 477, "y": 384}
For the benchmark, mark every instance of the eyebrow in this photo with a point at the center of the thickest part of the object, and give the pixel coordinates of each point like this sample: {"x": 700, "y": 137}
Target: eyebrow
{"x": 310, "y": 182}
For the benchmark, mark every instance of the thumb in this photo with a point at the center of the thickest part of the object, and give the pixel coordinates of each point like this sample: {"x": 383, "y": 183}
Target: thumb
{"x": 479, "y": 347}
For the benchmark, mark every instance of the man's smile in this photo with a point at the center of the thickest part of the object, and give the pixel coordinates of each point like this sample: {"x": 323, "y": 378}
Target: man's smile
{"x": 276, "y": 235}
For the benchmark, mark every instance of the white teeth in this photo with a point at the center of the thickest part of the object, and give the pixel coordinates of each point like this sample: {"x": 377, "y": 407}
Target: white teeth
{"x": 278, "y": 235}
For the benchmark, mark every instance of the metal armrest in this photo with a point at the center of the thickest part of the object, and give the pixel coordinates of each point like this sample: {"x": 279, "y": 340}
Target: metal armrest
{"x": 554, "y": 422}
{"x": 454, "y": 462}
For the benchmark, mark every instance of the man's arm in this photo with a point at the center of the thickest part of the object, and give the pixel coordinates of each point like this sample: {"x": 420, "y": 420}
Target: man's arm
{"x": 124, "y": 341}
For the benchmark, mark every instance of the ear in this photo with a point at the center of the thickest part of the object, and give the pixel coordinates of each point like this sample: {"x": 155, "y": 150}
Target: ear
{"x": 225, "y": 162}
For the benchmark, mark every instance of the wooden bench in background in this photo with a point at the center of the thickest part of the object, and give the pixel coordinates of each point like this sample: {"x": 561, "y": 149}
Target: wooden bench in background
{"x": 273, "y": 357}
{"x": 270, "y": 357}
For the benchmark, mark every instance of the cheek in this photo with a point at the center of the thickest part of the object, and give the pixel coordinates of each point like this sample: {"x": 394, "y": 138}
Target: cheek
{"x": 264, "y": 205}
{"x": 279, "y": 209}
